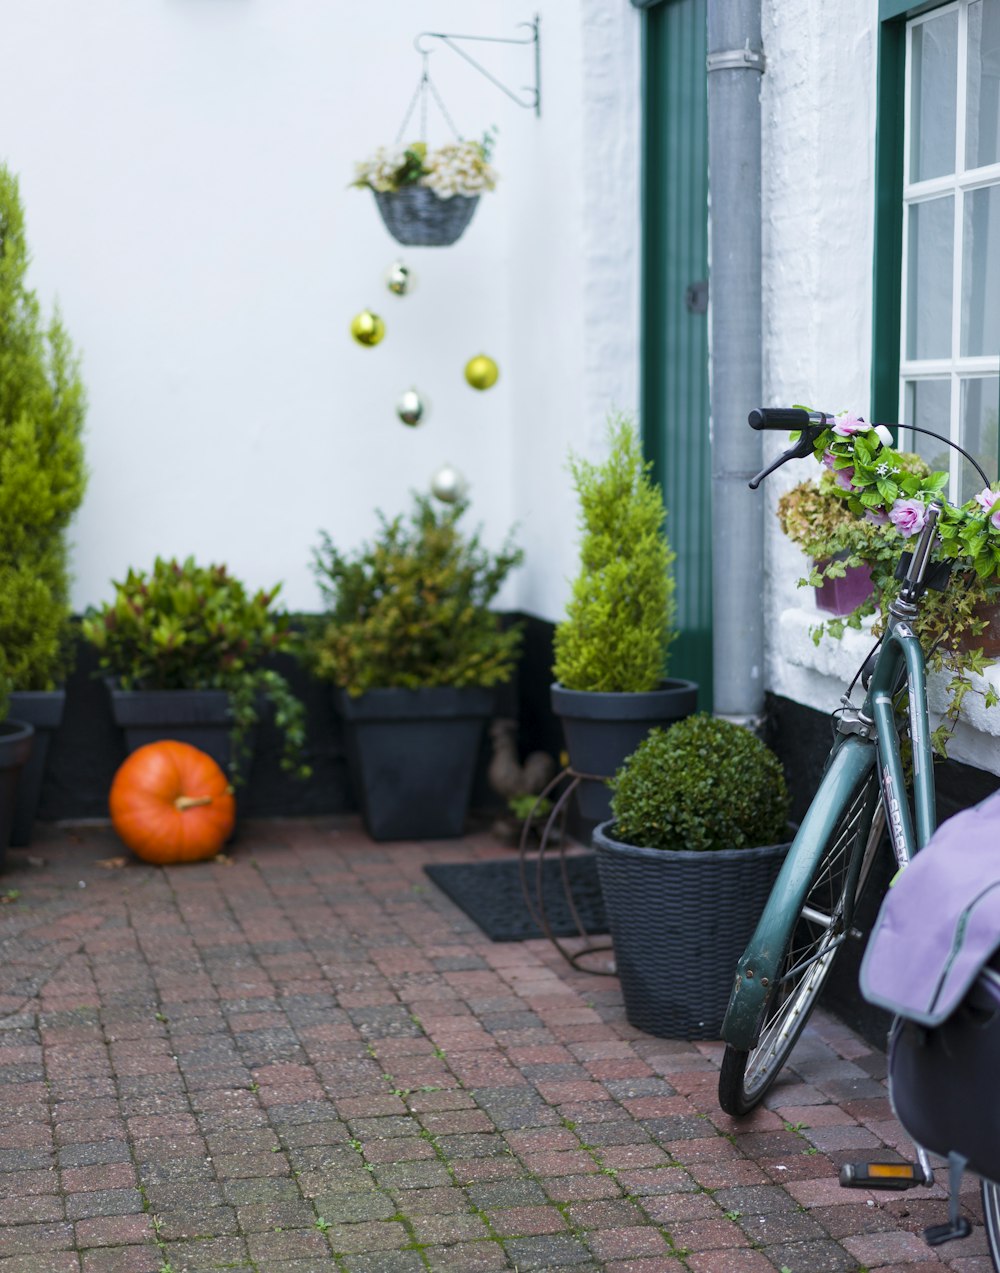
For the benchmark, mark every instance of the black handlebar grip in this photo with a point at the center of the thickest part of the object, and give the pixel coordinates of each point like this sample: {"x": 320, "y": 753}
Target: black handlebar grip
{"x": 779, "y": 418}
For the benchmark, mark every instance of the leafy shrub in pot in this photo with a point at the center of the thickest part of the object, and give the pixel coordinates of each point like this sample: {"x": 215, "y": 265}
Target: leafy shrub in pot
{"x": 189, "y": 627}
{"x": 412, "y": 609}
{"x": 414, "y": 649}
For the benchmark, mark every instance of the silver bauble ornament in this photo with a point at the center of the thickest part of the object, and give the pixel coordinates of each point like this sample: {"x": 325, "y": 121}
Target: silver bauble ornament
{"x": 448, "y": 485}
{"x": 411, "y": 407}
{"x": 400, "y": 279}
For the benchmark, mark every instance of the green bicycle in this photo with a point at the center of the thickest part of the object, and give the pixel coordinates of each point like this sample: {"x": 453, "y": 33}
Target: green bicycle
{"x": 861, "y": 802}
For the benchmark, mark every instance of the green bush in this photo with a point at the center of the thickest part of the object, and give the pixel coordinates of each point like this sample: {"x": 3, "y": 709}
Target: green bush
{"x": 619, "y": 621}
{"x": 704, "y": 783}
{"x": 186, "y": 626}
{"x": 411, "y": 609}
{"x": 42, "y": 477}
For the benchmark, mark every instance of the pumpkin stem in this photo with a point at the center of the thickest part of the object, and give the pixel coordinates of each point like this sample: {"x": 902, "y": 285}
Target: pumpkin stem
{"x": 191, "y": 802}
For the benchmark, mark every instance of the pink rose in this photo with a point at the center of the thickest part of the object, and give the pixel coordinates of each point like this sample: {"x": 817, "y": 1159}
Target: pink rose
{"x": 877, "y": 516}
{"x": 908, "y": 516}
{"x": 847, "y": 425}
{"x": 987, "y": 498}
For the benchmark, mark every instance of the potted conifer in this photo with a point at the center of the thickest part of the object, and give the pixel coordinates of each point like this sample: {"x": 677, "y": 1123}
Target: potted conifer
{"x": 611, "y": 649}
{"x": 697, "y": 837}
{"x": 414, "y": 652}
{"x": 42, "y": 481}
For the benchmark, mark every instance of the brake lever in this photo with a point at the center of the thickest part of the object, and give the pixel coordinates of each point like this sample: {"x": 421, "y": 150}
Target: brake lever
{"x": 799, "y": 451}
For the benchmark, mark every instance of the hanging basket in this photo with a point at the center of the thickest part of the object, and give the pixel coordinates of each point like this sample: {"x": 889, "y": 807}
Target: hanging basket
{"x": 417, "y": 217}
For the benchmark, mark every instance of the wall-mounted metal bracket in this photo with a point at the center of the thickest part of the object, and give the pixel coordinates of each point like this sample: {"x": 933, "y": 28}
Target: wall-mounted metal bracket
{"x": 530, "y": 97}
{"x": 745, "y": 59}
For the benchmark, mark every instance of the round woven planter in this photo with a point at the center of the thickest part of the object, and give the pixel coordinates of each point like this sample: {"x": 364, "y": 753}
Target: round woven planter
{"x": 679, "y": 922}
{"x": 417, "y": 217}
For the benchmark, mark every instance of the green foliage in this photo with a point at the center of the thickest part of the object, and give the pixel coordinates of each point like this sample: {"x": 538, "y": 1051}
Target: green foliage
{"x": 412, "y": 608}
{"x": 704, "y": 783}
{"x": 827, "y": 520}
{"x": 42, "y": 476}
{"x": 186, "y": 626}
{"x": 619, "y": 621}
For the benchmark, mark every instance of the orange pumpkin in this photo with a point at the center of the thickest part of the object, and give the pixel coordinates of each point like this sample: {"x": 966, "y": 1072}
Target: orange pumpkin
{"x": 172, "y": 803}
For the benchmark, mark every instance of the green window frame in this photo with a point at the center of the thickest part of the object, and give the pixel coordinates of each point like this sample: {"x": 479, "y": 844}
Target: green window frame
{"x": 947, "y": 380}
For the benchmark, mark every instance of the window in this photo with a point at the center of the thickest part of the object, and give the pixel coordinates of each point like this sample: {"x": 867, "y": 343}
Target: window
{"x": 949, "y": 311}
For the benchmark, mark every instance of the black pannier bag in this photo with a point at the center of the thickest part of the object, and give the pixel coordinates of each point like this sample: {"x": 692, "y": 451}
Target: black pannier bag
{"x": 933, "y": 959}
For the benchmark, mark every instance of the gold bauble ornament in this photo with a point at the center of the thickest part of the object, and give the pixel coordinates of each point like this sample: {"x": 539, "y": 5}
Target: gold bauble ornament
{"x": 367, "y": 328}
{"x": 481, "y": 372}
{"x": 448, "y": 485}
{"x": 400, "y": 279}
{"x": 411, "y": 407}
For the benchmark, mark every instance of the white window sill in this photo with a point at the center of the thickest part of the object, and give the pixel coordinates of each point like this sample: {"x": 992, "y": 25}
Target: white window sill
{"x": 819, "y": 675}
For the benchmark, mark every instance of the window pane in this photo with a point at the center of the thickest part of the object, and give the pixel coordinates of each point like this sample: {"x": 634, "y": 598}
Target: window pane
{"x": 928, "y": 405}
{"x": 929, "y": 278}
{"x": 934, "y": 82}
{"x": 981, "y": 252}
{"x": 982, "y": 137}
{"x": 980, "y": 427}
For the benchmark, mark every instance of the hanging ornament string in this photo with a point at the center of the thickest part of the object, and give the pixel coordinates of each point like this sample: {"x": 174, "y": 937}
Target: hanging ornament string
{"x": 426, "y": 89}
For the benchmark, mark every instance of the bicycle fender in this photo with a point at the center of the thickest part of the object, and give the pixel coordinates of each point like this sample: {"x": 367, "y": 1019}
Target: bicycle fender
{"x": 758, "y": 966}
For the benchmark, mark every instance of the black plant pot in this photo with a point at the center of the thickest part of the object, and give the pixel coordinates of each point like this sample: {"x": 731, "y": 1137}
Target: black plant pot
{"x": 679, "y": 922}
{"x": 412, "y": 756}
{"x": 16, "y": 738}
{"x": 602, "y": 729}
{"x": 43, "y": 709}
{"x": 199, "y": 717}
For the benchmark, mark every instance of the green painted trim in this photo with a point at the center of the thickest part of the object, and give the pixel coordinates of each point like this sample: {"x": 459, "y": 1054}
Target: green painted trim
{"x": 889, "y": 9}
{"x": 888, "y": 220}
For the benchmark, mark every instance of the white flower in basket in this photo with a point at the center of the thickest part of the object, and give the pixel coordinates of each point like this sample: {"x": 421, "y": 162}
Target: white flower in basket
{"x": 427, "y": 197}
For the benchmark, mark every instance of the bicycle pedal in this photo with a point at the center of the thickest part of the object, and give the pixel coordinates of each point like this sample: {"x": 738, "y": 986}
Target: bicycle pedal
{"x": 894, "y": 1176}
{"x": 938, "y": 1233}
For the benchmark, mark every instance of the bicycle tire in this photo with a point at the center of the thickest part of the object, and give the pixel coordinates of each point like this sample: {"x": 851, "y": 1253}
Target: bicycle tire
{"x": 810, "y": 952}
{"x": 990, "y": 1194}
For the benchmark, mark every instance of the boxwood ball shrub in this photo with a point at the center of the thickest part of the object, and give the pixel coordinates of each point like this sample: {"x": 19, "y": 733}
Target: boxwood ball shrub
{"x": 704, "y": 783}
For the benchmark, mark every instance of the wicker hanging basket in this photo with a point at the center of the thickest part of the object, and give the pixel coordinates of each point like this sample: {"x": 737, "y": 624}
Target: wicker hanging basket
{"x": 417, "y": 217}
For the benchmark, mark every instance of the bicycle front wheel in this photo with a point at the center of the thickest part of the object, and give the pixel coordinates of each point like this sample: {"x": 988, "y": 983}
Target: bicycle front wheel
{"x": 990, "y": 1194}
{"x": 819, "y": 931}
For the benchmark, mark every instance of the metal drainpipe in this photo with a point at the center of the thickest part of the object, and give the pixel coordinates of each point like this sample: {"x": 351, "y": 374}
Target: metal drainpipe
{"x": 735, "y": 66}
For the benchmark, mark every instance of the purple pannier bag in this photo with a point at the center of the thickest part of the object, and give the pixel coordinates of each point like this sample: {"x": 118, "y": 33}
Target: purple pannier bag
{"x": 933, "y": 960}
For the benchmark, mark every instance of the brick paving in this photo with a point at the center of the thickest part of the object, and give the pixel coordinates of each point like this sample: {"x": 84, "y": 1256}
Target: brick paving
{"x": 304, "y": 1057}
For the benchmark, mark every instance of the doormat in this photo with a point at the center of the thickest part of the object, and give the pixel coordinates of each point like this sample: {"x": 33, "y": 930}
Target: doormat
{"x": 490, "y": 893}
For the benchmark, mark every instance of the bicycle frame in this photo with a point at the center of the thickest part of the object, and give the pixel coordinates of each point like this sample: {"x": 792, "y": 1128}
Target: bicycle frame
{"x": 867, "y": 736}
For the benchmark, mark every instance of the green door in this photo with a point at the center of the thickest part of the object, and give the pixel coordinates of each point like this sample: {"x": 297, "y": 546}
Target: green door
{"x": 674, "y": 383}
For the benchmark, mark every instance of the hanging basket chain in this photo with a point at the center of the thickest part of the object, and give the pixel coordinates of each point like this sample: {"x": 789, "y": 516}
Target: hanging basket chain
{"x": 425, "y": 88}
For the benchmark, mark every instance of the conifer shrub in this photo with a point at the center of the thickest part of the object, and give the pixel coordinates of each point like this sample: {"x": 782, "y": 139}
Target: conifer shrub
{"x": 704, "y": 783}
{"x": 42, "y": 476}
{"x": 619, "y": 620}
{"x": 411, "y": 609}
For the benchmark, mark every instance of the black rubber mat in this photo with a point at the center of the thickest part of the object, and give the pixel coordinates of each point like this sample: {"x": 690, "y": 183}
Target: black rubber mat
{"x": 490, "y": 893}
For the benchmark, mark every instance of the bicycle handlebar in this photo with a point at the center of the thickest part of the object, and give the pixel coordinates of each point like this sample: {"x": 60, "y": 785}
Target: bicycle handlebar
{"x": 785, "y": 418}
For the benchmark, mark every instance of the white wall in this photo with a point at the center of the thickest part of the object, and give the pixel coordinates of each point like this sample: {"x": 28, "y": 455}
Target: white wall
{"x": 184, "y": 167}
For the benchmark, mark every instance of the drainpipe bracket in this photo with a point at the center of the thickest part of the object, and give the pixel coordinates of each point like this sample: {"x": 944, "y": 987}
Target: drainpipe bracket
{"x": 745, "y": 59}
